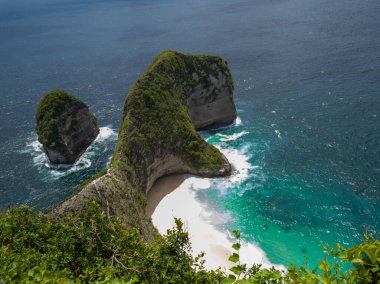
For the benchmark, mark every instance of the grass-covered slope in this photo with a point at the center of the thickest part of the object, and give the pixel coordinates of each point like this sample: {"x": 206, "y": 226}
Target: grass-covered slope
{"x": 156, "y": 138}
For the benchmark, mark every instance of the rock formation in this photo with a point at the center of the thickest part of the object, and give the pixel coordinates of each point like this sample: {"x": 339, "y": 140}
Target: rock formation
{"x": 65, "y": 127}
{"x": 177, "y": 94}
{"x": 210, "y": 100}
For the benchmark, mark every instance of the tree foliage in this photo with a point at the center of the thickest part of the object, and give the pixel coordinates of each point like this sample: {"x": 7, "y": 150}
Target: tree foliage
{"x": 91, "y": 247}
{"x": 94, "y": 248}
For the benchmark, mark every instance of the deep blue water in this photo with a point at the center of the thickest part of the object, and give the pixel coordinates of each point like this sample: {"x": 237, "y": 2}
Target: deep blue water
{"x": 307, "y": 89}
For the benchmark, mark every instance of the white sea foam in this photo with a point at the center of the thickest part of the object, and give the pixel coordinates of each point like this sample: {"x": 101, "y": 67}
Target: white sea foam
{"x": 239, "y": 158}
{"x": 232, "y": 137}
{"x": 105, "y": 133}
{"x": 238, "y": 121}
{"x": 40, "y": 160}
{"x": 278, "y": 133}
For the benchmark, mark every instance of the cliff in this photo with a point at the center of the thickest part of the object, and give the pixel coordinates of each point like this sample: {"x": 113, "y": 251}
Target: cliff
{"x": 177, "y": 94}
{"x": 65, "y": 127}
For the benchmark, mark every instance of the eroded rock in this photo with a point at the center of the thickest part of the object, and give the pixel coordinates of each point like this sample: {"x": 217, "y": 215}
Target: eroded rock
{"x": 65, "y": 127}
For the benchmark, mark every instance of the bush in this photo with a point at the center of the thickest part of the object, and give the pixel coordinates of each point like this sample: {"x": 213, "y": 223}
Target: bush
{"x": 93, "y": 247}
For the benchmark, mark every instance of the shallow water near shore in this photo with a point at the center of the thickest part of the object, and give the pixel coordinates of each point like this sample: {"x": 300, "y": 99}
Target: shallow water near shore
{"x": 307, "y": 141}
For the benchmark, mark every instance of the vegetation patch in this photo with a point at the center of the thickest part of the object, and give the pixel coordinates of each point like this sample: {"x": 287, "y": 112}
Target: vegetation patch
{"x": 48, "y": 111}
{"x": 93, "y": 247}
{"x": 156, "y": 118}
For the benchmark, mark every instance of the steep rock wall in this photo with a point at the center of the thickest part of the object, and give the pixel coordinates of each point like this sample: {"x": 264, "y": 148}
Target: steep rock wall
{"x": 210, "y": 102}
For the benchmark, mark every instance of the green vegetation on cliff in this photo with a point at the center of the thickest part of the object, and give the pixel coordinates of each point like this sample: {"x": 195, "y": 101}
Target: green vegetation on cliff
{"x": 94, "y": 247}
{"x": 48, "y": 111}
{"x": 156, "y": 117}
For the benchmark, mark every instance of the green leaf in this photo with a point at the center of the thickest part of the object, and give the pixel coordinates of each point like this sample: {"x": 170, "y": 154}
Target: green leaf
{"x": 236, "y": 234}
{"x": 232, "y": 277}
{"x": 236, "y": 246}
{"x": 237, "y": 269}
{"x": 244, "y": 281}
{"x": 357, "y": 261}
{"x": 234, "y": 258}
{"x": 324, "y": 266}
{"x": 229, "y": 280}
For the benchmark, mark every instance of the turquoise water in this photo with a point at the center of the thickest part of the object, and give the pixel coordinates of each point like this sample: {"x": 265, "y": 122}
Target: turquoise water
{"x": 307, "y": 81}
{"x": 288, "y": 213}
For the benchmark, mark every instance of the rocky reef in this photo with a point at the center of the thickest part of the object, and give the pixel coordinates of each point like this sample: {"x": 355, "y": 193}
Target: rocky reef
{"x": 65, "y": 127}
{"x": 177, "y": 94}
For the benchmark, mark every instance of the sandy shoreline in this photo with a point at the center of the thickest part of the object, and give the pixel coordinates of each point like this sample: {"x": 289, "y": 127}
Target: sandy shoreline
{"x": 160, "y": 189}
{"x": 175, "y": 196}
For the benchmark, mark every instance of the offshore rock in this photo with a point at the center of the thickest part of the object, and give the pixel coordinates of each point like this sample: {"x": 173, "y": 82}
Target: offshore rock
{"x": 65, "y": 127}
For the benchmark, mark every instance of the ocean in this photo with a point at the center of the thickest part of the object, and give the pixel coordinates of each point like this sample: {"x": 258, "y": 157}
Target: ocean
{"x": 307, "y": 91}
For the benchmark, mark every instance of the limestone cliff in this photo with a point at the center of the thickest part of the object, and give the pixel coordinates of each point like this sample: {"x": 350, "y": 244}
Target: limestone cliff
{"x": 65, "y": 127}
{"x": 210, "y": 100}
{"x": 177, "y": 94}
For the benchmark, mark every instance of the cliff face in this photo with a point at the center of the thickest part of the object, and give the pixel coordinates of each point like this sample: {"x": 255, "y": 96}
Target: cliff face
{"x": 65, "y": 127}
{"x": 158, "y": 137}
{"x": 210, "y": 101}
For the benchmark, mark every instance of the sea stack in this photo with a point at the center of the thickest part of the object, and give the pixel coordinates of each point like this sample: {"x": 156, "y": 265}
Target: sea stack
{"x": 65, "y": 127}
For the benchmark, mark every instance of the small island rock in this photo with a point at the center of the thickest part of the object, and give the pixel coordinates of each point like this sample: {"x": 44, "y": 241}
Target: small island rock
{"x": 65, "y": 127}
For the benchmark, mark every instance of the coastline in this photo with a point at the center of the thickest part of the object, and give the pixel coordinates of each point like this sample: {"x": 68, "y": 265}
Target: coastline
{"x": 161, "y": 188}
{"x": 176, "y": 196}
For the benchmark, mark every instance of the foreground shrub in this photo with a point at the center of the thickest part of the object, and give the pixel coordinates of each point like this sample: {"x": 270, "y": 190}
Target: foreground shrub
{"x": 93, "y": 248}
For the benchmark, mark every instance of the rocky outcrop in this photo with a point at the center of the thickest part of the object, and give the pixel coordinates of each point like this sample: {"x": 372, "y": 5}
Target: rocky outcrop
{"x": 210, "y": 102}
{"x": 177, "y": 94}
{"x": 65, "y": 127}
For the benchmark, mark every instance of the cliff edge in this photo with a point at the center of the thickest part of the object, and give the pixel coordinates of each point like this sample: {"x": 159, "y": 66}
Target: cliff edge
{"x": 65, "y": 127}
{"x": 176, "y": 95}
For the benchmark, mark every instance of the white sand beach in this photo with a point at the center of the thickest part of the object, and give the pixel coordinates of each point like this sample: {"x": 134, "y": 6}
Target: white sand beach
{"x": 176, "y": 196}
